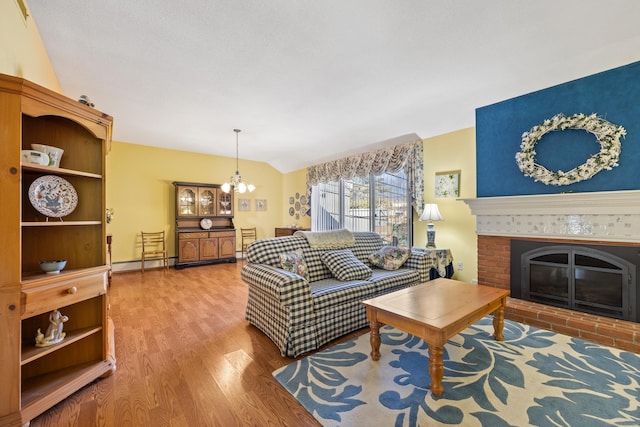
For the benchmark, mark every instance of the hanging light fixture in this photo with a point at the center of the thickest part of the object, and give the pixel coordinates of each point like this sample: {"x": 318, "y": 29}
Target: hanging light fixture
{"x": 235, "y": 181}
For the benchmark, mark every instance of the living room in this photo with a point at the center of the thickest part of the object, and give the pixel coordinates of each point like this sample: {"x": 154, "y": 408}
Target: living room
{"x": 140, "y": 192}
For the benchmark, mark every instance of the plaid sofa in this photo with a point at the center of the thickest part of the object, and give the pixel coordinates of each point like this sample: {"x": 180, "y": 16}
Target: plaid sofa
{"x": 301, "y": 315}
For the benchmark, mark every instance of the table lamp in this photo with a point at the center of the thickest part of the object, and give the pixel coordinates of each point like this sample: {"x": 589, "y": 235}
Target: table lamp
{"x": 431, "y": 213}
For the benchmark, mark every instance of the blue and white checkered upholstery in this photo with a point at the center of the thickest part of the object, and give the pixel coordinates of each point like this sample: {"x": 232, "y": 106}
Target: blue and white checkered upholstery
{"x": 298, "y": 315}
{"x": 344, "y": 265}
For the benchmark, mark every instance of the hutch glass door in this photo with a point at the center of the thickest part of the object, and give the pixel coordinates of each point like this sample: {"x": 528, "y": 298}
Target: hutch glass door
{"x": 187, "y": 201}
{"x": 225, "y": 203}
{"x": 206, "y": 201}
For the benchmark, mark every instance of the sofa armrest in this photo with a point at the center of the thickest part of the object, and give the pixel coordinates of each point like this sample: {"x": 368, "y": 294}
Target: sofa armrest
{"x": 289, "y": 289}
{"x": 424, "y": 260}
{"x": 420, "y": 261}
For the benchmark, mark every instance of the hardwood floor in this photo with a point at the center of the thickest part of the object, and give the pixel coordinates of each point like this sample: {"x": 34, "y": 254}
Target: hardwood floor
{"x": 185, "y": 357}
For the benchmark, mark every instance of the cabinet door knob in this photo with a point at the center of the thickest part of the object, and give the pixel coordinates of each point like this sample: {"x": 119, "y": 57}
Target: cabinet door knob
{"x": 72, "y": 290}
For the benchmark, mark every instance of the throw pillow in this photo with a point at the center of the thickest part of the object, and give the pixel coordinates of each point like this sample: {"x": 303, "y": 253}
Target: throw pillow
{"x": 345, "y": 266}
{"x": 389, "y": 257}
{"x": 295, "y": 263}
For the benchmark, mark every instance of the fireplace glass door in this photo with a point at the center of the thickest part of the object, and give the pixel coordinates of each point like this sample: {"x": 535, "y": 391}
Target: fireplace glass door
{"x": 577, "y": 278}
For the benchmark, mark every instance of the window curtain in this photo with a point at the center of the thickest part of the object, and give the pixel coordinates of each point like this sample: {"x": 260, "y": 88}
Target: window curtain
{"x": 407, "y": 156}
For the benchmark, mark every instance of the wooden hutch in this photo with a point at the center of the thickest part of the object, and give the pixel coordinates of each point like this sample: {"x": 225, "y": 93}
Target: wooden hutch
{"x": 36, "y": 378}
{"x": 204, "y": 225}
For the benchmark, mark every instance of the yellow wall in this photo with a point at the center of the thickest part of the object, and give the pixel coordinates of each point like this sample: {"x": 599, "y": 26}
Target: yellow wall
{"x": 22, "y": 53}
{"x": 140, "y": 191}
{"x": 452, "y": 151}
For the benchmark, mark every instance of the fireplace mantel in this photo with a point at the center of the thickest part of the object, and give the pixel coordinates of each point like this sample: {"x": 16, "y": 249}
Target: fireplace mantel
{"x": 597, "y": 216}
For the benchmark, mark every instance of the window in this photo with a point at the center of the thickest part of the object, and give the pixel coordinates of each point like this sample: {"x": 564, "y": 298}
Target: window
{"x": 379, "y": 203}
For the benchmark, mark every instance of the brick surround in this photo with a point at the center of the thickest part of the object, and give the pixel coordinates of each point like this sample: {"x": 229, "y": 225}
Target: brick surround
{"x": 494, "y": 270}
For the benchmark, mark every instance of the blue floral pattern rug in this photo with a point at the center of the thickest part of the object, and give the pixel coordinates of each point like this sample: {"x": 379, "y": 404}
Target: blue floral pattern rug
{"x": 533, "y": 377}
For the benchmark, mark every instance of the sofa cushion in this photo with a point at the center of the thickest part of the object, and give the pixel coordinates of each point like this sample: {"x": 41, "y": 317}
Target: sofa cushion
{"x": 345, "y": 266}
{"x": 331, "y": 294}
{"x": 295, "y": 263}
{"x": 387, "y": 281}
{"x": 267, "y": 251}
{"x": 366, "y": 244}
{"x": 317, "y": 269}
{"x": 389, "y": 257}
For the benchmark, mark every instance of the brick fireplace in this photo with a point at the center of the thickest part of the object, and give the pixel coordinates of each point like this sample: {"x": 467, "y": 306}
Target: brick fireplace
{"x": 596, "y": 218}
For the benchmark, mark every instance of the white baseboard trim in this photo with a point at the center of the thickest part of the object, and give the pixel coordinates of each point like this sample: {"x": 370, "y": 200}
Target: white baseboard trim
{"x": 136, "y": 265}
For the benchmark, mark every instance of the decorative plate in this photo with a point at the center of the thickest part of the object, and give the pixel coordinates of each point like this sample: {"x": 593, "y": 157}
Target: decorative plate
{"x": 205, "y": 223}
{"x": 303, "y": 199}
{"x": 53, "y": 196}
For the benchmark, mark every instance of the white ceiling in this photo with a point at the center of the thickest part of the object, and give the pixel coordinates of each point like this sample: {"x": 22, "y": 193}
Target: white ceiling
{"x": 311, "y": 80}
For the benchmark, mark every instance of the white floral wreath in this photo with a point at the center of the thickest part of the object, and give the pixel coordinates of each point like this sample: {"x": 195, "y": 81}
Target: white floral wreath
{"x": 607, "y": 134}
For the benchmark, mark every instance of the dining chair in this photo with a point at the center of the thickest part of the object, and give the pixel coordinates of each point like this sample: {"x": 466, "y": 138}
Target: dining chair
{"x": 248, "y": 235}
{"x": 154, "y": 247}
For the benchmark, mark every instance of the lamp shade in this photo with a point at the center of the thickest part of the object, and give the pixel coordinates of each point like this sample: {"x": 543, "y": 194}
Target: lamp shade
{"x": 431, "y": 213}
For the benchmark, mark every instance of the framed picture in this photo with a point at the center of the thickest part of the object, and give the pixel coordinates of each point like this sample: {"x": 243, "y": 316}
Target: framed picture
{"x": 290, "y": 200}
{"x": 261, "y": 205}
{"x": 447, "y": 184}
{"x": 244, "y": 205}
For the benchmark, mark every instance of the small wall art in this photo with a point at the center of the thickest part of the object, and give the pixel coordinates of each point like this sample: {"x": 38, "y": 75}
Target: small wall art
{"x": 261, "y": 205}
{"x": 447, "y": 184}
{"x": 244, "y": 205}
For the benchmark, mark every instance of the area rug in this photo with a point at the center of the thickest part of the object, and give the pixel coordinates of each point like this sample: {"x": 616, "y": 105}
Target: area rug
{"x": 533, "y": 377}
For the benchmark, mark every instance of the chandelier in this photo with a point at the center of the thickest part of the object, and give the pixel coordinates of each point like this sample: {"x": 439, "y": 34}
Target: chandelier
{"x": 235, "y": 181}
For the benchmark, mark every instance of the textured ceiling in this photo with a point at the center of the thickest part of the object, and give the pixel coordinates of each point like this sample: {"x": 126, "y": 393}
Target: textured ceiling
{"x": 309, "y": 81}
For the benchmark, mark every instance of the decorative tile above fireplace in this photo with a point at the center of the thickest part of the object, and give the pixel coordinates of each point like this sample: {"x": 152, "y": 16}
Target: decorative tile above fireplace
{"x": 612, "y": 216}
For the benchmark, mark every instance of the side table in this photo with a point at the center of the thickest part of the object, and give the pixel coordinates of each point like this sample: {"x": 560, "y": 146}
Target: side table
{"x": 441, "y": 261}
{"x": 288, "y": 231}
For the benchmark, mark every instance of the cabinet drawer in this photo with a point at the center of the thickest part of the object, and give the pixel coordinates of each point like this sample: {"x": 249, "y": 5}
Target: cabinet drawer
{"x": 48, "y": 297}
{"x": 222, "y": 234}
{"x": 198, "y": 235}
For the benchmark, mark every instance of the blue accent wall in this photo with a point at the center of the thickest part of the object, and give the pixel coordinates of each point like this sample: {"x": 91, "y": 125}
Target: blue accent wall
{"x": 613, "y": 95}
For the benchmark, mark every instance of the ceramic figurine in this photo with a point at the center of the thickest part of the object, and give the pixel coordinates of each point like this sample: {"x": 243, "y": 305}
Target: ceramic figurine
{"x": 54, "y": 333}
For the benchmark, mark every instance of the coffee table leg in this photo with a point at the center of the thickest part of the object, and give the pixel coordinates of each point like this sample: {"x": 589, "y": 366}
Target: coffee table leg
{"x": 498, "y": 324}
{"x": 436, "y": 369}
{"x": 374, "y": 339}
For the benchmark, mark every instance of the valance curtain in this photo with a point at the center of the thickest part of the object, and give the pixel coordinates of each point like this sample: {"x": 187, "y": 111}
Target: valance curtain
{"x": 407, "y": 156}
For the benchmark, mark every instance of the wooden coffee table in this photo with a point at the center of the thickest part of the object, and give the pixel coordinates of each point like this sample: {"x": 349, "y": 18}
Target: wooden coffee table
{"x": 435, "y": 311}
